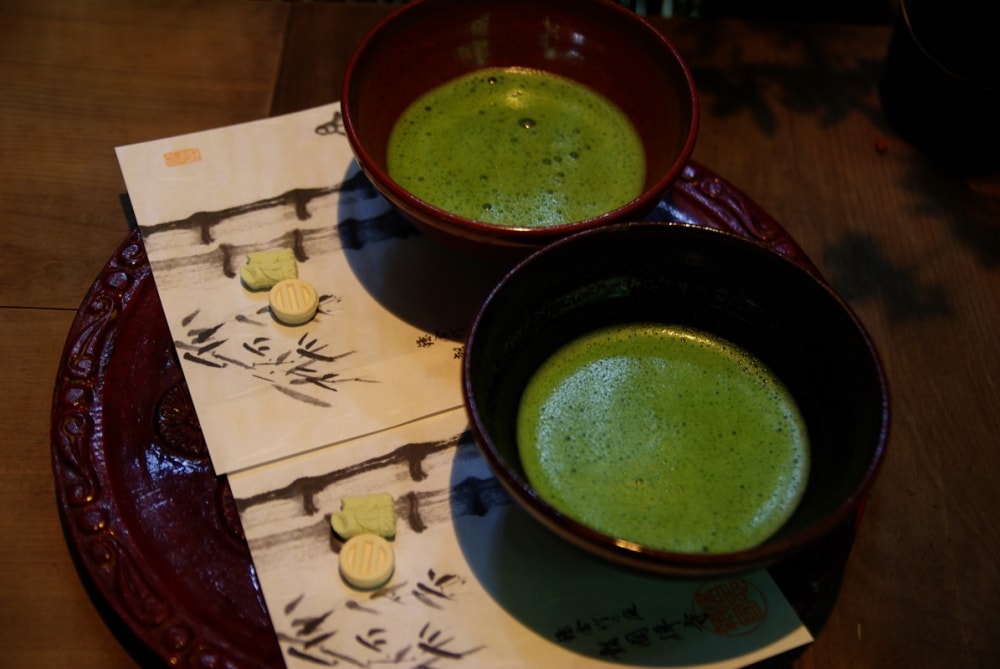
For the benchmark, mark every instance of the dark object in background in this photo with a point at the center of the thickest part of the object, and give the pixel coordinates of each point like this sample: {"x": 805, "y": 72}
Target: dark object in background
{"x": 940, "y": 86}
{"x": 830, "y": 11}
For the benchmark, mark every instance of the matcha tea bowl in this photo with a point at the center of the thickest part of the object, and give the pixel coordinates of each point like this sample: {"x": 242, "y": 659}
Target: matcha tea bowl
{"x": 675, "y": 398}
{"x": 502, "y": 125}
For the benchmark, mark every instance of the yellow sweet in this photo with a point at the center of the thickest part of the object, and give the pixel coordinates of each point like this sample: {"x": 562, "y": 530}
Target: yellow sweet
{"x": 293, "y": 301}
{"x": 367, "y": 561}
{"x": 266, "y": 268}
{"x": 374, "y": 513}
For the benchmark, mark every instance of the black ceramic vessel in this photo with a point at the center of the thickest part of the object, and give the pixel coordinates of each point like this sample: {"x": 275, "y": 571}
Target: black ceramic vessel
{"x": 713, "y": 281}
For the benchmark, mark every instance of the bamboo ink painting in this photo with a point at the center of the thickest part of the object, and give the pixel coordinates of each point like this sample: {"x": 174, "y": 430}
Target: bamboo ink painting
{"x": 385, "y": 345}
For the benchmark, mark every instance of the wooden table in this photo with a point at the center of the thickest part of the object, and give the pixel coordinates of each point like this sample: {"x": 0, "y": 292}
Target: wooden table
{"x": 790, "y": 115}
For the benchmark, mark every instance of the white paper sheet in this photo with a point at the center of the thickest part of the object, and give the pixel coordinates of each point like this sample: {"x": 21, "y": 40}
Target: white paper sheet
{"x": 385, "y": 347}
{"x": 366, "y": 398}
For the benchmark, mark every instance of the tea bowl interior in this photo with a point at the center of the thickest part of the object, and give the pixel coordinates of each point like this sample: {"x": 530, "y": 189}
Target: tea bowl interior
{"x": 597, "y": 43}
{"x": 716, "y": 282}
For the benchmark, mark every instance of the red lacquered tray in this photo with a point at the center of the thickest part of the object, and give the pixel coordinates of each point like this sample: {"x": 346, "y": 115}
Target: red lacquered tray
{"x": 154, "y": 531}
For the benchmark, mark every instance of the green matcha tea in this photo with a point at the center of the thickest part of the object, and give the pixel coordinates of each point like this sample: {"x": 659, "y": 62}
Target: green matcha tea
{"x": 517, "y": 147}
{"x": 664, "y": 436}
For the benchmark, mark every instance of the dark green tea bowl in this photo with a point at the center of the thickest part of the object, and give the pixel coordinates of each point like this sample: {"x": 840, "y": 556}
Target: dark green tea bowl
{"x": 714, "y": 282}
{"x": 598, "y": 44}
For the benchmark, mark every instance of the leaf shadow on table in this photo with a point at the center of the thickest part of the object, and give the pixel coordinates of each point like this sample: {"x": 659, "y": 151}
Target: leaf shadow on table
{"x": 861, "y": 267}
{"x": 968, "y": 205}
{"x": 730, "y": 81}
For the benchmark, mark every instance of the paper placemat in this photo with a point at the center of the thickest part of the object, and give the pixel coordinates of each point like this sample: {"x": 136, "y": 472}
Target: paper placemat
{"x": 385, "y": 346}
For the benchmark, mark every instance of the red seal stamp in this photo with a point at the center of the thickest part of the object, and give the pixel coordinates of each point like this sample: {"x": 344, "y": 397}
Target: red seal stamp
{"x": 730, "y": 608}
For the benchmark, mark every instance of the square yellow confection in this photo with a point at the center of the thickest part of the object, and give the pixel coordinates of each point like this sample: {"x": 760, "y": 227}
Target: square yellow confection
{"x": 374, "y": 513}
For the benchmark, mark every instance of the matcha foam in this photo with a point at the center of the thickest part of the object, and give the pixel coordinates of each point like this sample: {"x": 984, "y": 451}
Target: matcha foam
{"x": 517, "y": 147}
{"x": 667, "y": 437}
